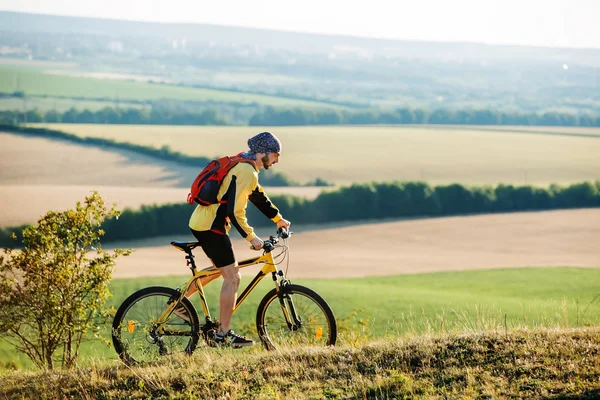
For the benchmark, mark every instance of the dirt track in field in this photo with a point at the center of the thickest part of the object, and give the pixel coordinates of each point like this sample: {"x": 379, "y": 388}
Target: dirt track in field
{"x": 530, "y": 239}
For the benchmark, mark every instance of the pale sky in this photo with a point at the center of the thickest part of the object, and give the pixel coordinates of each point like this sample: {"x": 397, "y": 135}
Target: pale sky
{"x": 554, "y": 23}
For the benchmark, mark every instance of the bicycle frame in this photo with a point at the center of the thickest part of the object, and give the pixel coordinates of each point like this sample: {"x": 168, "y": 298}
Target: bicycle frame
{"x": 269, "y": 267}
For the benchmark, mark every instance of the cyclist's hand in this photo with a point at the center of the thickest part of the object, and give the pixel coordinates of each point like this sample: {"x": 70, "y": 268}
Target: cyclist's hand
{"x": 283, "y": 223}
{"x": 257, "y": 243}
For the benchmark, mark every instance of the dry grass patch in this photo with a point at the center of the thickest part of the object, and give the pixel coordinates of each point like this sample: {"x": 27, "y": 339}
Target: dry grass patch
{"x": 34, "y": 160}
{"x": 519, "y": 364}
{"x": 347, "y": 154}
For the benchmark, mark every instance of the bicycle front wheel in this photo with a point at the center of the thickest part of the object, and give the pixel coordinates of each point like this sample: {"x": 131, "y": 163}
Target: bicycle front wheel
{"x": 139, "y": 334}
{"x": 297, "y": 316}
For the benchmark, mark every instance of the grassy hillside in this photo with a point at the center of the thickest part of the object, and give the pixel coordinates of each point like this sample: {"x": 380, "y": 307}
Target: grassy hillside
{"x": 410, "y": 305}
{"x": 491, "y": 365}
{"x": 349, "y": 154}
{"x": 39, "y": 83}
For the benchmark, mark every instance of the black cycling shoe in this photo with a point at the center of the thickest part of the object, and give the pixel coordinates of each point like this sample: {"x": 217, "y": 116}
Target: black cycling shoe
{"x": 232, "y": 339}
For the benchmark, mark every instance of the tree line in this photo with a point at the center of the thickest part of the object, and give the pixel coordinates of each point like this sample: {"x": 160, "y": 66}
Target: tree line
{"x": 115, "y": 115}
{"x": 370, "y": 201}
{"x": 279, "y": 117}
{"x": 296, "y": 117}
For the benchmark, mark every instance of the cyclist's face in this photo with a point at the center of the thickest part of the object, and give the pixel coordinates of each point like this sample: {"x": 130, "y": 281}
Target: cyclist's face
{"x": 270, "y": 159}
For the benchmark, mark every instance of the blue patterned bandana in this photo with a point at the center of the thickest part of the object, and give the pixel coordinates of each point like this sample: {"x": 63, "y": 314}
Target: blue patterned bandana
{"x": 248, "y": 155}
{"x": 265, "y": 143}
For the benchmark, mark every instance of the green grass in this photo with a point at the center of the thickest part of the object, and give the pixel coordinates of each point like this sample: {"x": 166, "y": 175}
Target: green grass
{"x": 412, "y": 305}
{"x": 38, "y": 83}
{"x": 403, "y": 304}
{"x": 349, "y": 154}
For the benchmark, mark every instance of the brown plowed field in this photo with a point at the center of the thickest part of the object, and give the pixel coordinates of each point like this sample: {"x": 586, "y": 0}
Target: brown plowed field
{"x": 550, "y": 238}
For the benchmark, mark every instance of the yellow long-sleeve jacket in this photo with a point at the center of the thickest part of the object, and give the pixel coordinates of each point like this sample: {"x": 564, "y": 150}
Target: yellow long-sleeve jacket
{"x": 239, "y": 186}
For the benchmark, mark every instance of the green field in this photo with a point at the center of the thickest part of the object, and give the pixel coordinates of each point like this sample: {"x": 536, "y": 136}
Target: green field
{"x": 407, "y": 305}
{"x": 347, "y": 154}
{"x": 44, "y": 104}
{"x": 34, "y": 82}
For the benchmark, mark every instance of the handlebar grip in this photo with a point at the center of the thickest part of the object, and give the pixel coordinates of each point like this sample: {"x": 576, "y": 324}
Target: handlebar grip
{"x": 284, "y": 233}
{"x": 266, "y": 244}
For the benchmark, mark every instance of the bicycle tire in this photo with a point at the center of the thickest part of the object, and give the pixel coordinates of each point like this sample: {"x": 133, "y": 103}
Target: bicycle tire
{"x": 137, "y": 340}
{"x": 313, "y": 320}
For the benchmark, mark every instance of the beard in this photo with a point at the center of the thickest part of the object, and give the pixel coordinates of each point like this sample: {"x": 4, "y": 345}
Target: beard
{"x": 265, "y": 161}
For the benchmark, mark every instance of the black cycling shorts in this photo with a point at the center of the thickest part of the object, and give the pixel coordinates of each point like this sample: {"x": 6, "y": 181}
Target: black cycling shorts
{"x": 217, "y": 247}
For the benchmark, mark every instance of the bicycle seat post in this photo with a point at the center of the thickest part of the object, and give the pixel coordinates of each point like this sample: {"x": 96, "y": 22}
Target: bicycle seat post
{"x": 190, "y": 261}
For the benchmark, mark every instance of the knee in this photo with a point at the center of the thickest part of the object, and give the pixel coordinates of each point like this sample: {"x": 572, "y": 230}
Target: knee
{"x": 231, "y": 274}
{"x": 233, "y": 278}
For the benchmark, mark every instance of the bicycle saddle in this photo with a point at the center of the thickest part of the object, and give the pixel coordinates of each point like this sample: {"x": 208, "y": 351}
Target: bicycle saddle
{"x": 185, "y": 246}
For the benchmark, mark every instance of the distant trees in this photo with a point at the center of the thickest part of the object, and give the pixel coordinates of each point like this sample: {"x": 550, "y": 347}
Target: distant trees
{"x": 114, "y": 115}
{"x": 53, "y": 116}
{"x": 171, "y": 115}
{"x": 275, "y": 117}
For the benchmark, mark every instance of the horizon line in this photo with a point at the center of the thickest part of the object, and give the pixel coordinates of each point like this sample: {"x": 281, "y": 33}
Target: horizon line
{"x": 299, "y": 32}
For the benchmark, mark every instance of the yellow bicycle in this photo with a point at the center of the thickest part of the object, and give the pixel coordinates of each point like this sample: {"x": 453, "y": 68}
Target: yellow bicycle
{"x": 158, "y": 321}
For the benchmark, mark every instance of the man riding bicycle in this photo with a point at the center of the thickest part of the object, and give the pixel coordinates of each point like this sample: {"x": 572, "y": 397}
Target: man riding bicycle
{"x": 210, "y": 224}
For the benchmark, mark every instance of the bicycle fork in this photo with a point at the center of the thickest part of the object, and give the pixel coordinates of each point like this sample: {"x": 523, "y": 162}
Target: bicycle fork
{"x": 287, "y": 303}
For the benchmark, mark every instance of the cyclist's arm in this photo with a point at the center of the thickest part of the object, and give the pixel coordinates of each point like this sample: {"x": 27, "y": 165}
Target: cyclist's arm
{"x": 242, "y": 184}
{"x": 259, "y": 198}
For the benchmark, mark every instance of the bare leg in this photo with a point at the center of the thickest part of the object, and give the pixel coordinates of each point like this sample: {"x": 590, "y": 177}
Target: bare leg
{"x": 231, "y": 282}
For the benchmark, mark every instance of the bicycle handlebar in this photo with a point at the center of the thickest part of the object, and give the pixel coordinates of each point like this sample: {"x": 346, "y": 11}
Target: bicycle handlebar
{"x": 269, "y": 244}
{"x": 284, "y": 233}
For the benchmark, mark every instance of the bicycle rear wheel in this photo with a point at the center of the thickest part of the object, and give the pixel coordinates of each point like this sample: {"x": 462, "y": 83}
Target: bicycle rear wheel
{"x": 309, "y": 322}
{"x": 139, "y": 336}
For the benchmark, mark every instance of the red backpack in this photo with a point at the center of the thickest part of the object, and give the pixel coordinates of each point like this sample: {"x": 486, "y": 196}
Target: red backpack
{"x": 206, "y": 186}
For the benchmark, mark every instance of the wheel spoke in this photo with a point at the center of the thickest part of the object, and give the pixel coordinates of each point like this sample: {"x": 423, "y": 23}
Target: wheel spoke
{"x": 139, "y": 336}
{"x": 314, "y": 324}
